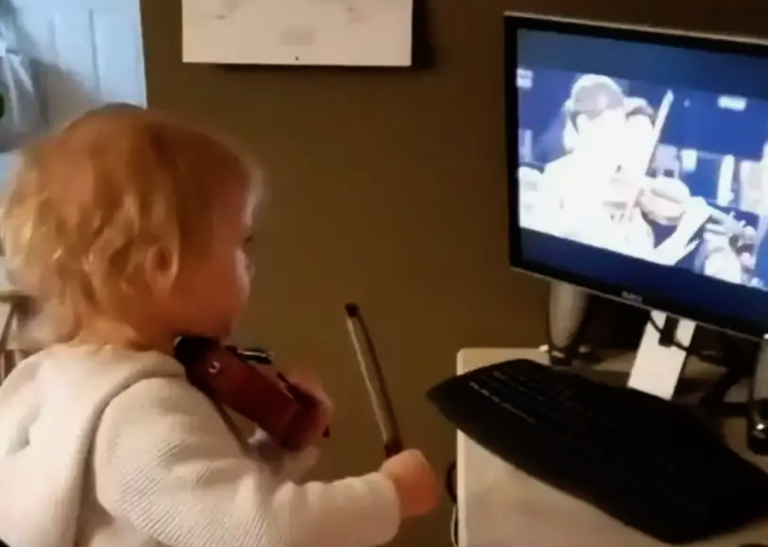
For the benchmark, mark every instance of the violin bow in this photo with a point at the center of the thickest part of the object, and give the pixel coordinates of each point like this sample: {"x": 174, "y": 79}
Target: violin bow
{"x": 646, "y": 152}
{"x": 375, "y": 383}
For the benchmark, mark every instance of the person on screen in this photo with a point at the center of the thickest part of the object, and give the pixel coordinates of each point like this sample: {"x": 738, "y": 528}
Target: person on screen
{"x": 596, "y": 113}
{"x": 596, "y": 116}
{"x": 746, "y": 248}
{"x": 529, "y": 182}
{"x": 639, "y": 131}
{"x": 676, "y": 220}
{"x": 676, "y": 216}
{"x": 594, "y": 191}
{"x": 720, "y": 258}
{"x": 731, "y": 256}
{"x": 580, "y": 187}
{"x": 725, "y": 245}
{"x": 574, "y": 184}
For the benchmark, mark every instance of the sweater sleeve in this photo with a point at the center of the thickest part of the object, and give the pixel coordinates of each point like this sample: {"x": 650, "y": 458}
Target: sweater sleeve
{"x": 165, "y": 461}
{"x": 286, "y": 465}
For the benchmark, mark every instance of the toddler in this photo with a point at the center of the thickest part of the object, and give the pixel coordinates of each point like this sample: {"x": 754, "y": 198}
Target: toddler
{"x": 129, "y": 229}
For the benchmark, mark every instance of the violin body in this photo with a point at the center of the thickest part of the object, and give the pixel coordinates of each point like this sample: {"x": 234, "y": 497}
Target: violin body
{"x": 255, "y": 391}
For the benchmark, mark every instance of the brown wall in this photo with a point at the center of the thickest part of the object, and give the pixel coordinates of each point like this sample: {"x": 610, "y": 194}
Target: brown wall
{"x": 388, "y": 188}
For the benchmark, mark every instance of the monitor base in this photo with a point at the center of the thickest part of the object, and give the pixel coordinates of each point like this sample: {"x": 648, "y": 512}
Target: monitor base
{"x": 659, "y": 364}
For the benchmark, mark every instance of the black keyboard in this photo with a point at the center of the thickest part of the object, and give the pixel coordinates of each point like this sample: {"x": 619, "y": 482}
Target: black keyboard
{"x": 643, "y": 460}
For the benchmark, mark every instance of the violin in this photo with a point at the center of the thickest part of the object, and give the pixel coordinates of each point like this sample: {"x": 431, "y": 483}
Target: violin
{"x": 245, "y": 382}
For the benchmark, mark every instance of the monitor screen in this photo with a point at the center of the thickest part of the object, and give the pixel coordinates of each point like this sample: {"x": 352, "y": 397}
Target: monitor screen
{"x": 638, "y": 166}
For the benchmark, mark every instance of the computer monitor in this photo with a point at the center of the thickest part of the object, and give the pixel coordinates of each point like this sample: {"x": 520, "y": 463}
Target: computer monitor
{"x": 638, "y": 166}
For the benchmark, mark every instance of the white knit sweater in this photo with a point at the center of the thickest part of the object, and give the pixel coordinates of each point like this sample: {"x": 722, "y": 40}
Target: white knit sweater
{"x": 103, "y": 447}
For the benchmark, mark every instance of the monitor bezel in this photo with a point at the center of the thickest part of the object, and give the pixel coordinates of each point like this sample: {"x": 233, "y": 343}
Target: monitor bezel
{"x": 515, "y": 21}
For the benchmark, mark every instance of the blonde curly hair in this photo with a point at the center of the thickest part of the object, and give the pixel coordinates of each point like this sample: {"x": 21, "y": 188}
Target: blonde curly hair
{"x": 90, "y": 203}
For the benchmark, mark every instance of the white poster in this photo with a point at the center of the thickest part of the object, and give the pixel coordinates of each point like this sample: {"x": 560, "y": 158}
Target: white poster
{"x": 298, "y": 32}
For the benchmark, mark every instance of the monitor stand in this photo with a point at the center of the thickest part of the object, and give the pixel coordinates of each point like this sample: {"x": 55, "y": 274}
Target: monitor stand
{"x": 659, "y": 362}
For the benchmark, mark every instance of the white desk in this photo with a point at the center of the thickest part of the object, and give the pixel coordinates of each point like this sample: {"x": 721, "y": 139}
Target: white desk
{"x": 500, "y": 506}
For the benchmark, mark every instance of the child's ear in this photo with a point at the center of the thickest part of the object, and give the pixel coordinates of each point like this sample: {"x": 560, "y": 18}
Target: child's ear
{"x": 160, "y": 269}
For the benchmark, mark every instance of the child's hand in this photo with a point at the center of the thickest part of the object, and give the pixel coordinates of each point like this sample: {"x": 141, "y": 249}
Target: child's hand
{"x": 311, "y": 385}
{"x": 414, "y": 480}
